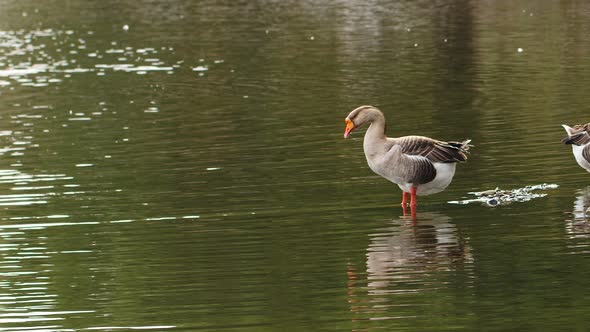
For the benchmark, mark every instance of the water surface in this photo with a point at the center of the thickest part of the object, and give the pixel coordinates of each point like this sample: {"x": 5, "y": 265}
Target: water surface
{"x": 180, "y": 166}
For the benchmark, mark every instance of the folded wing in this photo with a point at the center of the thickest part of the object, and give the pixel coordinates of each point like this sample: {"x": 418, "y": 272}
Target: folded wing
{"x": 577, "y": 135}
{"x": 434, "y": 150}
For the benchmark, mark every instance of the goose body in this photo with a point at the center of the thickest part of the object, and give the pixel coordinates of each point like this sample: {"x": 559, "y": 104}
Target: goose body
{"x": 419, "y": 165}
{"x": 579, "y": 138}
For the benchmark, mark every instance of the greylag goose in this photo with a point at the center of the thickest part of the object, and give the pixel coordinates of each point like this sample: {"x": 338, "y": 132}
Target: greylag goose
{"x": 579, "y": 138}
{"x": 418, "y": 165}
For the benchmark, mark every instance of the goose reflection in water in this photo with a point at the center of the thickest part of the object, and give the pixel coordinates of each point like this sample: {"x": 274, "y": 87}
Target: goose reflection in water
{"x": 579, "y": 225}
{"x": 407, "y": 257}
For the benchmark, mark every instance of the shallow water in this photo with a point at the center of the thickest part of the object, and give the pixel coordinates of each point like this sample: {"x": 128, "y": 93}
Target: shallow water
{"x": 180, "y": 166}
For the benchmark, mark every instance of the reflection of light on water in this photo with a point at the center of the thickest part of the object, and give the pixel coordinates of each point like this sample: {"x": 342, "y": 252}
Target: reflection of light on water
{"x": 24, "y": 69}
{"x": 22, "y": 181}
{"x": 28, "y": 189}
{"x": 200, "y": 68}
{"x": 39, "y": 58}
{"x": 109, "y": 328}
{"x": 46, "y": 225}
{"x": 25, "y": 288}
{"x": 126, "y": 67}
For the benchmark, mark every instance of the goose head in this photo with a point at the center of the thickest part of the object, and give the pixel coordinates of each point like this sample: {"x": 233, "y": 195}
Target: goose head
{"x": 359, "y": 116}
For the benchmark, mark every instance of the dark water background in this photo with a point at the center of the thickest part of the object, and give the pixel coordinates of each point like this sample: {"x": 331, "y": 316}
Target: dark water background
{"x": 180, "y": 166}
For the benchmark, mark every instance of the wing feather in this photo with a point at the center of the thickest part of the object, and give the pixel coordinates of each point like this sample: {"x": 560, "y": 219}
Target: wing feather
{"x": 422, "y": 170}
{"x": 580, "y": 135}
{"x": 434, "y": 150}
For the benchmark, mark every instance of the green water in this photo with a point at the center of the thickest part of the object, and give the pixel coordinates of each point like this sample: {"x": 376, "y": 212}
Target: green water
{"x": 180, "y": 166}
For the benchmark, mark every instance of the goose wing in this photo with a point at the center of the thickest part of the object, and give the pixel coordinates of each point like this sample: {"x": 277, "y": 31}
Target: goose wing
{"x": 577, "y": 135}
{"x": 406, "y": 168}
{"x": 434, "y": 150}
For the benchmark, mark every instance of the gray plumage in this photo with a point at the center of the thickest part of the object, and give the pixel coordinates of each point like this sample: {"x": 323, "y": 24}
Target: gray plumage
{"x": 578, "y": 134}
{"x": 409, "y": 161}
{"x": 578, "y": 137}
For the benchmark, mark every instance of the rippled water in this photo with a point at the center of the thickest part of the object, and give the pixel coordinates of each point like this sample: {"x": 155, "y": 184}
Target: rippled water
{"x": 180, "y": 166}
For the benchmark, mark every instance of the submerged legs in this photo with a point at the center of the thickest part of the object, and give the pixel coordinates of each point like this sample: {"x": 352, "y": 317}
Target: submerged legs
{"x": 413, "y": 203}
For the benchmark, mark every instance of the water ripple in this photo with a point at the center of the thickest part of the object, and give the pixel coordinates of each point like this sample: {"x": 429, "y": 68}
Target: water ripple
{"x": 407, "y": 258}
{"x": 57, "y": 53}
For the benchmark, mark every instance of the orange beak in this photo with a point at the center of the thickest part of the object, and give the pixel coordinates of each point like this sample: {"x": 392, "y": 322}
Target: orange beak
{"x": 349, "y": 127}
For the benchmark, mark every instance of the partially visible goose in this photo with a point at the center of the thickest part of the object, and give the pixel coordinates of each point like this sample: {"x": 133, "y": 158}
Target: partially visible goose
{"x": 418, "y": 165}
{"x": 579, "y": 138}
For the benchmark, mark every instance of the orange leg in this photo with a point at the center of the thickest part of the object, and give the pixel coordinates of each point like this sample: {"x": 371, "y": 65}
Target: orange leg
{"x": 404, "y": 199}
{"x": 413, "y": 200}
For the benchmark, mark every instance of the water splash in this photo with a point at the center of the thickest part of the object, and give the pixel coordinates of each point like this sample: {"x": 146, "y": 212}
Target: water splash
{"x": 499, "y": 196}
